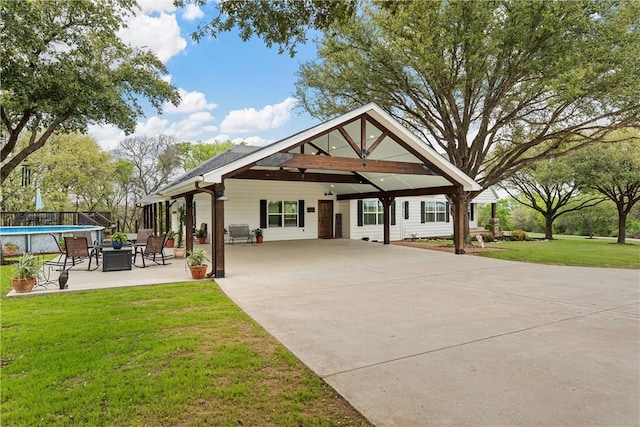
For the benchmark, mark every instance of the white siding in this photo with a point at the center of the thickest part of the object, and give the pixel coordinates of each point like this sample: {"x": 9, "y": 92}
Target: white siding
{"x": 243, "y": 206}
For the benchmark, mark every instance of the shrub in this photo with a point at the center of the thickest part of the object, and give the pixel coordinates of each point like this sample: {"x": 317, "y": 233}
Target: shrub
{"x": 488, "y": 238}
{"x": 519, "y": 235}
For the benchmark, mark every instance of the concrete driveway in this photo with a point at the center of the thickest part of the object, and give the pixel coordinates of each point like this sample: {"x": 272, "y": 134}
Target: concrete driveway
{"x": 413, "y": 337}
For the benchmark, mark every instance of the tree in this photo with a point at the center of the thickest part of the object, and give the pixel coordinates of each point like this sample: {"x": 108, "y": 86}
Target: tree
{"x": 497, "y": 86}
{"x": 614, "y": 171}
{"x": 194, "y": 154}
{"x": 155, "y": 161}
{"x": 549, "y": 187}
{"x": 63, "y": 67}
{"x": 280, "y": 22}
{"x": 66, "y": 180}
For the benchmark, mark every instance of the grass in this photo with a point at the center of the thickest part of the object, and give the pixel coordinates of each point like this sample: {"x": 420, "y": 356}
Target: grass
{"x": 563, "y": 250}
{"x": 569, "y": 251}
{"x": 178, "y": 354}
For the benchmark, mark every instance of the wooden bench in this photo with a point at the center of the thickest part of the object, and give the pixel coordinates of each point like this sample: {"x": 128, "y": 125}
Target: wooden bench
{"x": 240, "y": 231}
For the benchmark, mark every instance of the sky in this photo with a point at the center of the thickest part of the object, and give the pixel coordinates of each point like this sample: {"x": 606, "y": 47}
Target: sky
{"x": 231, "y": 90}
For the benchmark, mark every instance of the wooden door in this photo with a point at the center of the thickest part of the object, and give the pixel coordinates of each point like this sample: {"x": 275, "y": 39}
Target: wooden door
{"x": 325, "y": 219}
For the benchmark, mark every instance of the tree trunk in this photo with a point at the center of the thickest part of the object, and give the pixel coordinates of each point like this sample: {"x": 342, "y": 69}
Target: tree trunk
{"x": 548, "y": 227}
{"x": 622, "y": 225}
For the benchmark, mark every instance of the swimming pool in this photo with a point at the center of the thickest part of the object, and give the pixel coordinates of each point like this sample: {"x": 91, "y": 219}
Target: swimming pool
{"x": 38, "y": 238}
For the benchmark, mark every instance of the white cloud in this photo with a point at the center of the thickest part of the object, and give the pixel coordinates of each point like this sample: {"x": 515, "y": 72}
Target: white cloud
{"x": 192, "y": 12}
{"x": 160, "y": 6}
{"x": 193, "y": 127}
{"x": 191, "y": 102}
{"x": 107, "y": 136}
{"x": 160, "y": 34}
{"x": 252, "y": 120}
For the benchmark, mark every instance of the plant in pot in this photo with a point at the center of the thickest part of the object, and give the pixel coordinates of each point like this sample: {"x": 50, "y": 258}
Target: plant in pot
{"x": 10, "y": 249}
{"x": 26, "y": 273}
{"x": 258, "y": 233}
{"x": 195, "y": 262}
{"x": 171, "y": 237}
{"x": 179, "y": 250}
{"x": 118, "y": 239}
{"x": 202, "y": 236}
{"x": 63, "y": 243}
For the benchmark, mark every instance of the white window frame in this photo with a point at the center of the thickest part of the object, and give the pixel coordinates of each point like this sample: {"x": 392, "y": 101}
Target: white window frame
{"x": 435, "y": 212}
{"x": 372, "y": 212}
{"x": 286, "y": 215}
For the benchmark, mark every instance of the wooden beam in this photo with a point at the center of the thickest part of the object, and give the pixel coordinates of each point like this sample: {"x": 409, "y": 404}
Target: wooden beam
{"x": 278, "y": 175}
{"x": 354, "y": 165}
{"x": 376, "y": 143}
{"x": 427, "y": 191}
{"x": 351, "y": 142}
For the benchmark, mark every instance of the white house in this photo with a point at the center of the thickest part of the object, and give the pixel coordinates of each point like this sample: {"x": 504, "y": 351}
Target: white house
{"x": 359, "y": 175}
{"x": 294, "y": 212}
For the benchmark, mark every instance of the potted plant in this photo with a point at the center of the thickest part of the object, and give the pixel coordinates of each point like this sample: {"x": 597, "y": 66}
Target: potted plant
{"x": 195, "y": 261}
{"x": 171, "y": 237}
{"x": 63, "y": 243}
{"x": 258, "y": 233}
{"x": 202, "y": 236}
{"x": 26, "y": 272}
{"x": 118, "y": 239}
{"x": 10, "y": 249}
{"x": 179, "y": 250}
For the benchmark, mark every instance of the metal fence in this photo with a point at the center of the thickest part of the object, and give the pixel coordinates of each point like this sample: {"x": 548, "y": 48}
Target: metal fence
{"x": 56, "y": 218}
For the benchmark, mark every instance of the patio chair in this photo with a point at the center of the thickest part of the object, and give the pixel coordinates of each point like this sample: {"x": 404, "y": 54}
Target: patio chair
{"x": 86, "y": 235}
{"x": 77, "y": 249}
{"x": 153, "y": 248}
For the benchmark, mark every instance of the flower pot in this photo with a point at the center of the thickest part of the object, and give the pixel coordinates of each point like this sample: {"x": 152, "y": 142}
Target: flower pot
{"x": 179, "y": 252}
{"x": 10, "y": 250}
{"x": 116, "y": 245}
{"x": 202, "y": 240}
{"x": 259, "y": 239}
{"x": 198, "y": 271}
{"x": 23, "y": 286}
{"x": 170, "y": 243}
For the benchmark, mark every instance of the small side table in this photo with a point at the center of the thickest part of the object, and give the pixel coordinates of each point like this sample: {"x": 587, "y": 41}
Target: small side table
{"x": 116, "y": 259}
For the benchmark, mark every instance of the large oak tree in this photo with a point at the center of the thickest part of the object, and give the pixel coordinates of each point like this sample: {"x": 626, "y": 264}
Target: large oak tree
{"x": 495, "y": 85}
{"x": 63, "y": 67}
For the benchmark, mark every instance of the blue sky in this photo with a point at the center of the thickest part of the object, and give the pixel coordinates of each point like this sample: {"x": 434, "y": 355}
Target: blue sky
{"x": 231, "y": 90}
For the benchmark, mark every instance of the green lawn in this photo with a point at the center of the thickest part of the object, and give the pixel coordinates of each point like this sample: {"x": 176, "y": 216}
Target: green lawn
{"x": 576, "y": 251}
{"x": 178, "y": 354}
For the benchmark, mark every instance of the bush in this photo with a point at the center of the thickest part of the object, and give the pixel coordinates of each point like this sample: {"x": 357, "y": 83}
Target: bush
{"x": 519, "y": 235}
{"x": 488, "y": 238}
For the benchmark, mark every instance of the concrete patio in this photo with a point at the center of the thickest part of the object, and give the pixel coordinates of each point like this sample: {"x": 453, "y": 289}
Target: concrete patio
{"x": 416, "y": 337}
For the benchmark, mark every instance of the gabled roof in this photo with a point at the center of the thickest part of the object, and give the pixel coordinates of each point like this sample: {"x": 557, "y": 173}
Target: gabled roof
{"x": 361, "y": 153}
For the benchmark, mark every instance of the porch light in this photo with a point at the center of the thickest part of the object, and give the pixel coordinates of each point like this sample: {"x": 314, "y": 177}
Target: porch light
{"x": 222, "y": 198}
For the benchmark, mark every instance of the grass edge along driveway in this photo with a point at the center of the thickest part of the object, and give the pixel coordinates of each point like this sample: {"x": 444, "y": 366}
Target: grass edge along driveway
{"x": 178, "y": 354}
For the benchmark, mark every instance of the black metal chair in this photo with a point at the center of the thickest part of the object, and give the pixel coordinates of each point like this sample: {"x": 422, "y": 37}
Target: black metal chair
{"x": 154, "y": 248}
{"x": 77, "y": 249}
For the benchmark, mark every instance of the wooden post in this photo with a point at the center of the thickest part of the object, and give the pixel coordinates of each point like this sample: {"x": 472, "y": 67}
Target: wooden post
{"x": 188, "y": 213}
{"x": 167, "y": 217}
{"x": 386, "y": 206}
{"x": 458, "y": 222}
{"x": 493, "y": 210}
{"x": 217, "y": 234}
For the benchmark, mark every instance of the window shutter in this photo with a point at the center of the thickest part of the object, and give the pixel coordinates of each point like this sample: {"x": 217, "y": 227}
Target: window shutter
{"x": 423, "y": 213}
{"x": 392, "y": 211}
{"x": 446, "y": 206}
{"x": 360, "y": 213}
{"x": 263, "y": 214}
{"x": 406, "y": 209}
{"x": 300, "y": 213}
{"x": 471, "y": 206}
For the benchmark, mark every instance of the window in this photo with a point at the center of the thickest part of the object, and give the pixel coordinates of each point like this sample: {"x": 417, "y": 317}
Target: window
{"x": 282, "y": 213}
{"x": 372, "y": 212}
{"x": 435, "y": 212}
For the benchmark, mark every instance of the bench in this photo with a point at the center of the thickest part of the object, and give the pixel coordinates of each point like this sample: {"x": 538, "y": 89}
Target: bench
{"x": 240, "y": 231}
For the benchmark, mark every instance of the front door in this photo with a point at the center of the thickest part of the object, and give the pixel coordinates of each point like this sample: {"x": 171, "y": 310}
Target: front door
{"x": 325, "y": 219}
